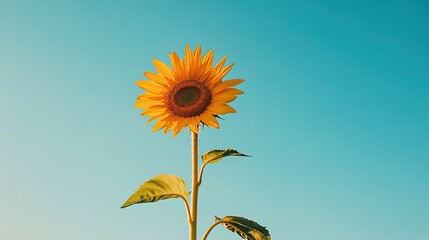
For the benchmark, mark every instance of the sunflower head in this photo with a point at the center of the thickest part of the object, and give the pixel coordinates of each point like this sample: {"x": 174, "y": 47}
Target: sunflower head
{"x": 190, "y": 93}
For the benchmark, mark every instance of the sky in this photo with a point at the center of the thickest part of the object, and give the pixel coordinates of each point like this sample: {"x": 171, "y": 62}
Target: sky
{"x": 335, "y": 116}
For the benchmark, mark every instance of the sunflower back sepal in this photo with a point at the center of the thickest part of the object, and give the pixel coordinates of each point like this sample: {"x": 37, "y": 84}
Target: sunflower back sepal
{"x": 245, "y": 228}
{"x": 164, "y": 186}
{"x": 217, "y": 155}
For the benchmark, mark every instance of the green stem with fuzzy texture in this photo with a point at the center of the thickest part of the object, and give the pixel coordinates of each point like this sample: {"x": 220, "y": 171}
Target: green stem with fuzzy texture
{"x": 210, "y": 229}
{"x": 194, "y": 193}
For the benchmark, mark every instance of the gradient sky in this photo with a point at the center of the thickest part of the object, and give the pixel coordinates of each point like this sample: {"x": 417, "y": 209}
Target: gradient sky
{"x": 335, "y": 114}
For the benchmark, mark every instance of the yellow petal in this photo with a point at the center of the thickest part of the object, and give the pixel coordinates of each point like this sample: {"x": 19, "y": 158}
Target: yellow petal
{"x": 179, "y": 127}
{"x": 197, "y": 52}
{"x": 220, "y": 64}
{"x": 209, "y": 120}
{"x": 193, "y": 124}
{"x": 194, "y": 63}
{"x": 230, "y": 91}
{"x": 169, "y": 127}
{"x": 147, "y": 96}
{"x": 157, "y": 78}
{"x": 170, "y": 122}
{"x": 224, "y": 98}
{"x": 220, "y": 109}
{"x": 158, "y": 125}
{"x": 226, "y": 84}
{"x": 160, "y": 107}
{"x": 150, "y": 86}
{"x": 193, "y": 128}
{"x": 218, "y": 76}
{"x": 177, "y": 64}
{"x": 175, "y": 61}
{"x": 153, "y": 112}
{"x": 173, "y": 124}
{"x": 146, "y": 104}
{"x": 151, "y": 119}
{"x": 208, "y": 58}
{"x": 197, "y": 69}
{"x": 188, "y": 57}
{"x": 208, "y": 78}
{"x": 163, "y": 68}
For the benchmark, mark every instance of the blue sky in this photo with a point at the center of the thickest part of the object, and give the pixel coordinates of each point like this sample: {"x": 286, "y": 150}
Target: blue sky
{"x": 335, "y": 114}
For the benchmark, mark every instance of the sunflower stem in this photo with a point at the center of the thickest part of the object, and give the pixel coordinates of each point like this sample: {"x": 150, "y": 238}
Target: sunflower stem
{"x": 194, "y": 196}
{"x": 210, "y": 229}
{"x": 200, "y": 177}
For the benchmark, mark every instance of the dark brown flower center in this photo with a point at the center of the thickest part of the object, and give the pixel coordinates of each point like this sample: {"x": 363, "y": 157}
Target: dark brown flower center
{"x": 189, "y": 98}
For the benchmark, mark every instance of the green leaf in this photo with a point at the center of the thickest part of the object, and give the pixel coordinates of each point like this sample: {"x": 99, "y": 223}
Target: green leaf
{"x": 245, "y": 228}
{"x": 216, "y": 155}
{"x": 161, "y": 187}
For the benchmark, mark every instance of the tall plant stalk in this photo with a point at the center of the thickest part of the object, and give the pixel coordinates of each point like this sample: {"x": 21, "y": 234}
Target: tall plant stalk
{"x": 194, "y": 193}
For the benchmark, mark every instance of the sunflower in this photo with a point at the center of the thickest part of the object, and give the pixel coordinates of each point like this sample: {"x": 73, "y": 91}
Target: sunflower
{"x": 188, "y": 94}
